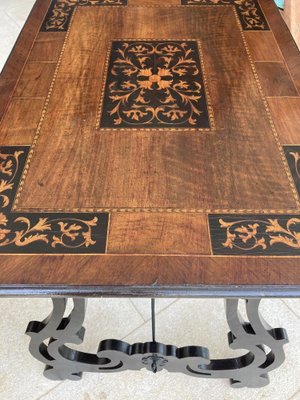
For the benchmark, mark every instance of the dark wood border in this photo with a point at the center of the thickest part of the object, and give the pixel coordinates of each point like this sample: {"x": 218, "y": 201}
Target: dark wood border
{"x": 200, "y": 291}
{"x": 36, "y": 274}
{"x": 284, "y": 39}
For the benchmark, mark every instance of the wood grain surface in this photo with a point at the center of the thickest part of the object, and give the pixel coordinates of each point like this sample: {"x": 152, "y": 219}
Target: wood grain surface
{"x": 159, "y": 170}
{"x": 149, "y": 144}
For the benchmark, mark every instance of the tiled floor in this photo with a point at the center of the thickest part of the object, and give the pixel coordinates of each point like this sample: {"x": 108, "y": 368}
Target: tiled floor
{"x": 181, "y": 322}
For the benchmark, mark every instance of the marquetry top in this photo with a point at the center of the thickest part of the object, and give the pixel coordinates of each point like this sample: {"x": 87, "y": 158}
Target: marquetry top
{"x": 151, "y": 144}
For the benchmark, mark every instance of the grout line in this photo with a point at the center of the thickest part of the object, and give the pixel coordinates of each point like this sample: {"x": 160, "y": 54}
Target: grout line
{"x": 295, "y": 395}
{"x": 15, "y": 23}
{"x": 137, "y": 310}
{"x": 144, "y": 323}
{"x": 133, "y": 330}
{"x": 50, "y": 390}
{"x": 165, "y": 308}
{"x": 290, "y": 309}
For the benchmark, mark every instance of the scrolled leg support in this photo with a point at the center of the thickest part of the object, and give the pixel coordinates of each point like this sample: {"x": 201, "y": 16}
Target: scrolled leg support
{"x": 249, "y": 370}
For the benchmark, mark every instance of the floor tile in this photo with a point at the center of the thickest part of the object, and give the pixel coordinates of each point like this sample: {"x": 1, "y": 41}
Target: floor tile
{"x": 19, "y": 11}
{"x": 18, "y": 369}
{"x": 107, "y": 319}
{"x": 181, "y": 324}
{"x": 144, "y": 306}
{"x": 9, "y": 32}
{"x": 20, "y": 375}
{"x": 13, "y": 14}
{"x": 296, "y": 396}
{"x": 294, "y": 305}
{"x": 191, "y": 322}
{"x": 11, "y": 4}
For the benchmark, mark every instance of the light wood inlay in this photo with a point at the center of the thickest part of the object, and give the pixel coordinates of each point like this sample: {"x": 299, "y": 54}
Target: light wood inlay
{"x": 84, "y": 202}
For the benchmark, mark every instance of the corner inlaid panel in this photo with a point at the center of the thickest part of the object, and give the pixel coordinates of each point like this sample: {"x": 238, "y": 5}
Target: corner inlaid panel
{"x": 154, "y": 84}
{"x": 60, "y": 12}
{"x": 256, "y": 235}
{"x": 43, "y": 232}
{"x": 249, "y": 11}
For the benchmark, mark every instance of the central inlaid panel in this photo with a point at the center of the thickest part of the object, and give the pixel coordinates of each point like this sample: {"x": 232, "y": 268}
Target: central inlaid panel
{"x": 155, "y": 108}
{"x": 154, "y": 84}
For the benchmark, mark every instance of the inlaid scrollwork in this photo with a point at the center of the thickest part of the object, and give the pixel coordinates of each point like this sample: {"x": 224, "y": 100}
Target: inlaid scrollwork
{"x": 9, "y": 167}
{"x": 70, "y": 232}
{"x": 154, "y": 84}
{"x": 249, "y": 235}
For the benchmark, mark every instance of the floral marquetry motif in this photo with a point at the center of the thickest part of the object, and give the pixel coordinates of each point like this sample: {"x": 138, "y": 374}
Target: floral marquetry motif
{"x": 255, "y": 234}
{"x": 249, "y": 11}
{"x": 155, "y": 84}
{"x": 44, "y": 232}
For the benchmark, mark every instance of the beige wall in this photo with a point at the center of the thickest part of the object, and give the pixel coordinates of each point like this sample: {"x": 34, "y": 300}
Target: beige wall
{"x": 292, "y": 16}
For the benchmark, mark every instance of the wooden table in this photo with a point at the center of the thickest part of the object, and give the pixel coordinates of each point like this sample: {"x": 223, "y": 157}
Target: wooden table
{"x": 152, "y": 149}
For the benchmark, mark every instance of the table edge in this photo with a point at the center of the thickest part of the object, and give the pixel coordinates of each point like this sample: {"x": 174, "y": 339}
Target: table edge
{"x": 163, "y": 291}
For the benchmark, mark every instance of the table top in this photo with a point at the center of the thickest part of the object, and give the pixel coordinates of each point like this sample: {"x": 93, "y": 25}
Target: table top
{"x": 151, "y": 148}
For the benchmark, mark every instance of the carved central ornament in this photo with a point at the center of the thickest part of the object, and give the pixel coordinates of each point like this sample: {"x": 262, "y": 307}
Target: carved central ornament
{"x": 154, "y": 84}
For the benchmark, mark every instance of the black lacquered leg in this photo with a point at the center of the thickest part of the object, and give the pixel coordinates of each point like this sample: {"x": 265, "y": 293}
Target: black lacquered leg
{"x": 249, "y": 370}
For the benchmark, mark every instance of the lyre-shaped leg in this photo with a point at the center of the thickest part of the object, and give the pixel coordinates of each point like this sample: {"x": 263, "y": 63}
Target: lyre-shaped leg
{"x": 252, "y": 369}
{"x": 249, "y": 370}
{"x": 61, "y": 361}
